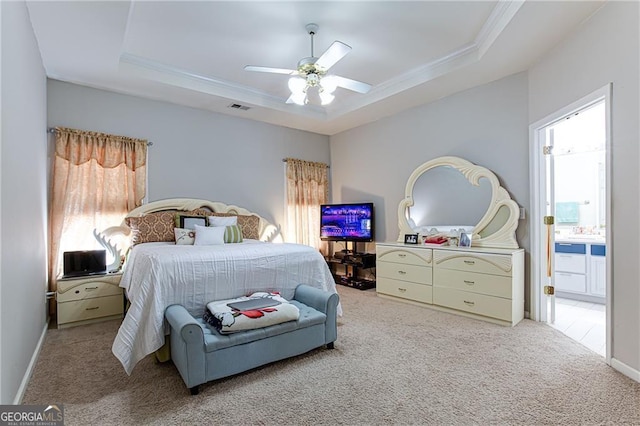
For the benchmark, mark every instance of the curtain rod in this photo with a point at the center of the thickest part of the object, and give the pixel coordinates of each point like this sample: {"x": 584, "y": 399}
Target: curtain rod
{"x": 284, "y": 160}
{"x": 53, "y": 130}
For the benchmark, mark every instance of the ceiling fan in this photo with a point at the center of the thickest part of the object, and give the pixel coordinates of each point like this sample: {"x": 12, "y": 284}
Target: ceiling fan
{"x": 312, "y": 72}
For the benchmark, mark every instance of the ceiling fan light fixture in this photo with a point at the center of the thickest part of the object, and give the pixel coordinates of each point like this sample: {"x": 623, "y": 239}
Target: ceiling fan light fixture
{"x": 329, "y": 84}
{"x": 311, "y": 72}
{"x": 299, "y": 98}
{"x": 297, "y": 85}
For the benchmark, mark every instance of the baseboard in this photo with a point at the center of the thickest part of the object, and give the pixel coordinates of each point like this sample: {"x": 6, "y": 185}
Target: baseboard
{"x": 34, "y": 358}
{"x": 630, "y": 372}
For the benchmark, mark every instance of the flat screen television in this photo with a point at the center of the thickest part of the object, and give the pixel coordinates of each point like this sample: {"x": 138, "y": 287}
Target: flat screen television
{"x": 347, "y": 222}
{"x": 85, "y": 262}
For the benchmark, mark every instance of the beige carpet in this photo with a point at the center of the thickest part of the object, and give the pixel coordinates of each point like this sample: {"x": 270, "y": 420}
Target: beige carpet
{"x": 393, "y": 364}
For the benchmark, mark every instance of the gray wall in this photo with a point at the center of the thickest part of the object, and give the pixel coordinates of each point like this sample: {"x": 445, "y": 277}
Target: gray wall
{"x": 606, "y": 50}
{"x": 486, "y": 125}
{"x": 23, "y": 201}
{"x": 195, "y": 153}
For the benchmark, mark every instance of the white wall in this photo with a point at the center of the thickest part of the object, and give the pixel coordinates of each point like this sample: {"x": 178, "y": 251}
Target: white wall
{"x": 486, "y": 125}
{"x": 195, "y": 153}
{"x": 23, "y": 195}
{"x": 604, "y": 50}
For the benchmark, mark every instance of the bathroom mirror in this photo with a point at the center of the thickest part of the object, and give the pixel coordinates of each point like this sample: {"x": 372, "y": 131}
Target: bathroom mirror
{"x": 452, "y": 191}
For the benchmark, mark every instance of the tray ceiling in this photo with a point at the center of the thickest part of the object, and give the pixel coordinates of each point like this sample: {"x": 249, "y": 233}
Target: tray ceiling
{"x": 193, "y": 53}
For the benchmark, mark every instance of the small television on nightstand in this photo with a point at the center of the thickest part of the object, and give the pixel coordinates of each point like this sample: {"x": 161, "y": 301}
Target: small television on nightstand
{"x": 84, "y": 262}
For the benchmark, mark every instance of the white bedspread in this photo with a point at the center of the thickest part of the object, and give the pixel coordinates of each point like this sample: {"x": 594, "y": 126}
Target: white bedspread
{"x": 158, "y": 275}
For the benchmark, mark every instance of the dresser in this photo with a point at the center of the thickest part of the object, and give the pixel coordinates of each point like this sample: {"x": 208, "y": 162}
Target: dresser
{"x": 83, "y": 300}
{"x": 483, "y": 283}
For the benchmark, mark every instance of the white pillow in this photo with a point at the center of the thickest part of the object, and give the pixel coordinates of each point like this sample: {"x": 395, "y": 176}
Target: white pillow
{"x": 209, "y": 235}
{"x": 223, "y": 220}
{"x": 184, "y": 236}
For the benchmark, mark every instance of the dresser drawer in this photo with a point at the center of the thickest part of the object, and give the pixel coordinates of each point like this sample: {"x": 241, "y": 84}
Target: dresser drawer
{"x": 86, "y": 309}
{"x": 492, "y": 285}
{"x": 570, "y": 282}
{"x": 480, "y": 304}
{"x": 409, "y": 256}
{"x": 405, "y": 290}
{"x": 473, "y": 262}
{"x": 80, "y": 289}
{"x": 576, "y": 263}
{"x": 404, "y": 272}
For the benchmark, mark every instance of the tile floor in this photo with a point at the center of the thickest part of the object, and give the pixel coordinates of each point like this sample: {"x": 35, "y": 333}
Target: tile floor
{"x": 582, "y": 321}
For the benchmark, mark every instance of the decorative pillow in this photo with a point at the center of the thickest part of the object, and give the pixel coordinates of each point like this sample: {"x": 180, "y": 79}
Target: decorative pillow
{"x": 223, "y": 220}
{"x": 152, "y": 227}
{"x": 233, "y": 234}
{"x": 209, "y": 235}
{"x": 250, "y": 224}
{"x": 184, "y": 236}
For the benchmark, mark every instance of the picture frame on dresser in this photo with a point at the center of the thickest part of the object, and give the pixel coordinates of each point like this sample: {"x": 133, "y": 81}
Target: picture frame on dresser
{"x": 465, "y": 240}
{"x": 411, "y": 238}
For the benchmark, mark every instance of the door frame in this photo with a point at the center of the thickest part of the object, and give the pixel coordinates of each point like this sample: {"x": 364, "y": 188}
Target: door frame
{"x": 538, "y": 248}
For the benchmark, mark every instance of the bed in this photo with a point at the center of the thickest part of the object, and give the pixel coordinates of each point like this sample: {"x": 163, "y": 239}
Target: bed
{"x": 159, "y": 273}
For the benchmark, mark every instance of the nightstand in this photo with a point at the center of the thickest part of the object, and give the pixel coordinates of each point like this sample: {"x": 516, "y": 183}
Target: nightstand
{"x": 87, "y": 299}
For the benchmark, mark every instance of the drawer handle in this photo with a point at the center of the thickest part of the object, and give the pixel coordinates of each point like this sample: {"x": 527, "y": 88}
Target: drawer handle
{"x": 470, "y": 262}
{"x": 402, "y": 255}
{"x": 402, "y": 289}
{"x": 92, "y": 309}
{"x": 402, "y": 272}
{"x": 565, "y": 244}
{"x": 91, "y": 288}
{"x": 469, "y": 282}
{"x": 466, "y": 302}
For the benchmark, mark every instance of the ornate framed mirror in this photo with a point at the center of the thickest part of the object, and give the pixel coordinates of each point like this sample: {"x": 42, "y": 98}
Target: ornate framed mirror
{"x": 474, "y": 185}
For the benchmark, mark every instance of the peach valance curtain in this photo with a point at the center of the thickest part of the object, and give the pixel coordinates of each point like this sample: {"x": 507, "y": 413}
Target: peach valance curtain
{"x": 97, "y": 179}
{"x": 307, "y": 188}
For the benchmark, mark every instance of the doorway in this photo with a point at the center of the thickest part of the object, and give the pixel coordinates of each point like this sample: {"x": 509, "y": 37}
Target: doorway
{"x": 570, "y": 186}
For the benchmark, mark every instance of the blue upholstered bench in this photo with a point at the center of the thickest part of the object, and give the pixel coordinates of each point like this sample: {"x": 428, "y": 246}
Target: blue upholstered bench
{"x": 201, "y": 354}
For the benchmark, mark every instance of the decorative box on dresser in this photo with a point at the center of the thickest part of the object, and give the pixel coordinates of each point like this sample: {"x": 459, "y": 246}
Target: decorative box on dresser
{"x": 87, "y": 299}
{"x": 483, "y": 283}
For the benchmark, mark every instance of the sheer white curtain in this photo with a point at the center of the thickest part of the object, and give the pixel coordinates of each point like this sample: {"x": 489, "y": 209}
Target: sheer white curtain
{"x": 307, "y": 188}
{"x": 97, "y": 179}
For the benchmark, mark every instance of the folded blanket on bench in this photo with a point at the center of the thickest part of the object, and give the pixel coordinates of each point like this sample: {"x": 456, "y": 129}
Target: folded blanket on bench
{"x": 227, "y": 320}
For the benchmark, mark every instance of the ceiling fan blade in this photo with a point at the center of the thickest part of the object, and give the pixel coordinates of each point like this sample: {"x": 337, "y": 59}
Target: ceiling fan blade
{"x": 356, "y": 86}
{"x": 271, "y": 70}
{"x": 333, "y": 54}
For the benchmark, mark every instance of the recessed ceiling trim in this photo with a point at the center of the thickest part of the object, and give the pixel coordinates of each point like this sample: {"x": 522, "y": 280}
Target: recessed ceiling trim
{"x": 500, "y": 17}
{"x": 152, "y": 70}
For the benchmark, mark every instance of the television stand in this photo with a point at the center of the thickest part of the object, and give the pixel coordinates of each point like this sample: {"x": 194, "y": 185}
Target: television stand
{"x": 345, "y": 264}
